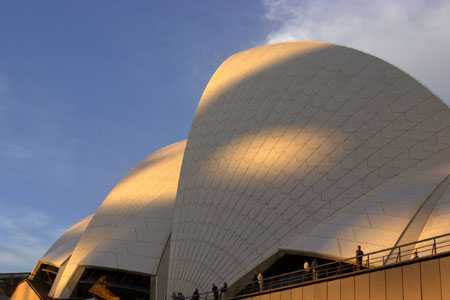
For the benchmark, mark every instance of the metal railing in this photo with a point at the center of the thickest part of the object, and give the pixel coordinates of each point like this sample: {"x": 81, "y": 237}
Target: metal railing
{"x": 390, "y": 256}
{"x": 378, "y": 259}
{"x": 203, "y": 296}
{"x": 14, "y": 275}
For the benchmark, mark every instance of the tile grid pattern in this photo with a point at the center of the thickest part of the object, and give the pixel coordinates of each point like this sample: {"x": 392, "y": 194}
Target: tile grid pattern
{"x": 131, "y": 227}
{"x": 439, "y": 221}
{"x": 63, "y": 247}
{"x": 275, "y": 152}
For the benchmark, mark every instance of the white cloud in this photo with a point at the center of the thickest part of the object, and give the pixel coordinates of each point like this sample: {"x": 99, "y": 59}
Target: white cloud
{"x": 25, "y": 234}
{"x": 411, "y": 34}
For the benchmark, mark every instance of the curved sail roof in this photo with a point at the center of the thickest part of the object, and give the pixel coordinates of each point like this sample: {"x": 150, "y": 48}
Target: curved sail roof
{"x": 131, "y": 227}
{"x": 305, "y": 146}
{"x": 61, "y": 250}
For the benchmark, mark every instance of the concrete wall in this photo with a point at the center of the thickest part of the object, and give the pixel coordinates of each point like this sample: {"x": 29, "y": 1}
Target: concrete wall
{"x": 427, "y": 280}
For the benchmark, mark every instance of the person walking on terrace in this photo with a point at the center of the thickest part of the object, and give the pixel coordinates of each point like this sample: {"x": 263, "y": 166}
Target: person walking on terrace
{"x": 314, "y": 268}
{"x": 196, "y": 295}
{"x": 415, "y": 255}
{"x": 215, "y": 291}
{"x": 307, "y": 270}
{"x": 359, "y": 257}
{"x": 260, "y": 279}
{"x": 223, "y": 290}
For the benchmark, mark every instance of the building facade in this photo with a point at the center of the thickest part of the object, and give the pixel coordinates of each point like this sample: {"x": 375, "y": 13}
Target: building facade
{"x": 303, "y": 147}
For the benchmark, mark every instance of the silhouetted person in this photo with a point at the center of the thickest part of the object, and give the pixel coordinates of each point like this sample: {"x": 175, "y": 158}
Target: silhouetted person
{"x": 196, "y": 295}
{"x": 223, "y": 290}
{"x": 260, "y": 279}
{"x": 415, "y": 255}
{"x": 307, "y": 269}
{"x": 215, "y": 291}
{"x": 314, "y": 268}
{"x": 181, "y": 296}
{"x": 359, "y": 257}
{"x": 339, "y": 268}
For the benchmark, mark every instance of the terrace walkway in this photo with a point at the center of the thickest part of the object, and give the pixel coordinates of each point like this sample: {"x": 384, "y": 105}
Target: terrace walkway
{"x": 413, "y": 271}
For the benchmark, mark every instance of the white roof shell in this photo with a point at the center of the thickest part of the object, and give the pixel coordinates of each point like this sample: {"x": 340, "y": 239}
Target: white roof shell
{"x": 299, "y": 146}
{"x": 131, "y": 227}
{"x": 61, "y": 250}
{"x": 305, "y": 146}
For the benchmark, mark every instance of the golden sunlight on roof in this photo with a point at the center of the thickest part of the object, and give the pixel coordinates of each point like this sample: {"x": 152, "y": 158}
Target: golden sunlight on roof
{"x": 131, "y": 227}
{"x": 272, "y": 151}
{"x": 229, "y": 75}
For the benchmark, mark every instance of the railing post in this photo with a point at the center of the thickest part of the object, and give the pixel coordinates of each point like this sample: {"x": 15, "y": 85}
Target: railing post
{"x": 368, "y": 259}
{"x": 433, "y": 252}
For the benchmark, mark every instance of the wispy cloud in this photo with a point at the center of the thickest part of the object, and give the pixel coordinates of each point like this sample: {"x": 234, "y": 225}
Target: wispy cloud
{"x": 3, "y": 89}
{"x": 15, "y": 151}
{"x": 25, "y": 234}
{"x": 3, "y": 83}
{"x": 10, "y": 147}
{"x": 33, "y": 135}
{"x": 411, "y": 34}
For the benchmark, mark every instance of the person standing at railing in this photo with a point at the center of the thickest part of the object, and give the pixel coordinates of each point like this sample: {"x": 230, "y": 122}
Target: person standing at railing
{"x": 314, "y": 268}
{"x": 307, "y": 269}
{"x": 415, "y": 255}
{"x": 223, "y": 290}
{"x": 215, "y": 291}
{"x": 260, "y": 279}
{"x": 359, "y": 257}
{"x": 196, "y": 295}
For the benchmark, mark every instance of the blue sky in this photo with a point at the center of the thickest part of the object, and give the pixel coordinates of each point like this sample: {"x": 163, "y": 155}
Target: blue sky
{"x": 89, "y": 88}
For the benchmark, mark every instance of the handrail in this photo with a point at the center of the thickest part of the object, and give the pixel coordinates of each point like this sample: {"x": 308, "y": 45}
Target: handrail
{"x": 15, "y": 274}
{"x": 8, "y": 276}
{"x": 376, "y": 259}
{"x": 405, "y": 252}
{"x": 368, "y": 255}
